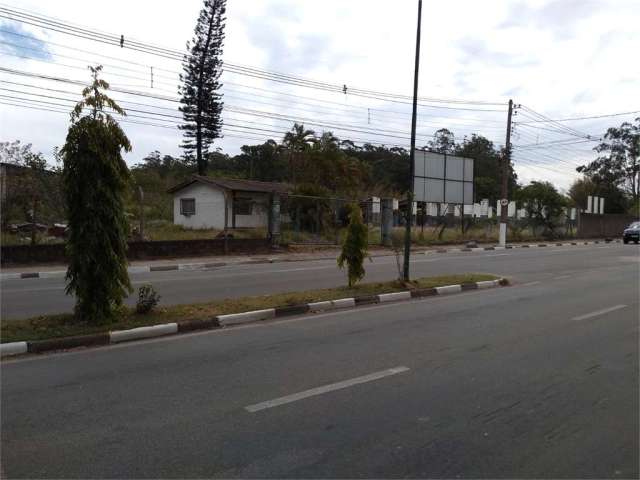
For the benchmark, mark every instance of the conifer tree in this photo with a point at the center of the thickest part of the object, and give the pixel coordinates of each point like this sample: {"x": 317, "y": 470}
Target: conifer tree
{"x": 95, "y": 179}
{"x": 201, "y": 100}
{"x": 354, "y": 247}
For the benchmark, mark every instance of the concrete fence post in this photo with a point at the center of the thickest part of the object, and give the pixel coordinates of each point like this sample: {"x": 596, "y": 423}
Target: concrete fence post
{"x": 274, "y": 220}
{"x": 386, "y": 221}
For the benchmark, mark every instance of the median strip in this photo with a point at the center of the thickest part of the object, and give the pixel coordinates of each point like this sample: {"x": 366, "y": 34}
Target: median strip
{"x": 61, "y": 332}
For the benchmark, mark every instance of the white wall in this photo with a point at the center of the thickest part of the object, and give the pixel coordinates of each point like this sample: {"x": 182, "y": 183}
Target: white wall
{"x": 209, "y": 207}
{"x": 259, "y": 217}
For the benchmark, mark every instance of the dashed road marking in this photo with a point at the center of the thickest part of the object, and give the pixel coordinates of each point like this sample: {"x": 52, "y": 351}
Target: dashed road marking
{"x": 325, "y": 389}
{"x": 598, "y": 312}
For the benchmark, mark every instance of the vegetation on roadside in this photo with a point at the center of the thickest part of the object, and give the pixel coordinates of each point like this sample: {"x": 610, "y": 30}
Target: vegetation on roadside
{"x": 94, "y": 179}
{"x": 354, "y": 247}
{"x": 55, "y": 326}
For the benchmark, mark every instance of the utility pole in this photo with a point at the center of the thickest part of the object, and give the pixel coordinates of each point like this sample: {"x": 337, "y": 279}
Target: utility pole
{"x": 506, "y": 162}
{"x": 412, "y": 153}
{"x": 141, "y": 212}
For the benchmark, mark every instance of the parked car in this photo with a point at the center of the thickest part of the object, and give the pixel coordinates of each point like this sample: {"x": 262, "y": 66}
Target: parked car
{"x": 631, "y": 233}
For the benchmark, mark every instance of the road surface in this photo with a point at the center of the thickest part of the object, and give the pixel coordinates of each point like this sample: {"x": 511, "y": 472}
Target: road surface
{"x": 24, "y": 298}
{"x": 534, "y": 380}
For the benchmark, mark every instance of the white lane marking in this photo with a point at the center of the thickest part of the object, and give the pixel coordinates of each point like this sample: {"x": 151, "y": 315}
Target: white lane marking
{"x": 325, "y": 389}
{"x": 531, "y": 283}
{"x": 499, "y": 255}
{"x": 560, "y": 277}
{"x": 598, "y": 312}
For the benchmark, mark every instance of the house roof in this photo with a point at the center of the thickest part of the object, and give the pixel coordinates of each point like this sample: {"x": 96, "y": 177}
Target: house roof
{"x": 235, "y": 184}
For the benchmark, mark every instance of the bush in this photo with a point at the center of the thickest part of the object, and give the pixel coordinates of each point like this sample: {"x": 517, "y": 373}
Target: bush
{"x": 354, "y": 248}
{"x": 148, "y": 298}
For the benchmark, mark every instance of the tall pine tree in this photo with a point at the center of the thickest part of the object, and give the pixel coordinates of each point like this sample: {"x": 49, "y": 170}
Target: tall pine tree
{"x": 201, "y": 101}
{"x": 95, "y": 179}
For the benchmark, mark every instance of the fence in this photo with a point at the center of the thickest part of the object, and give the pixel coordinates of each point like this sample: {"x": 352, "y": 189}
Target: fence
{"x": 323, "y": 221}
{"x": 592, "y": 225}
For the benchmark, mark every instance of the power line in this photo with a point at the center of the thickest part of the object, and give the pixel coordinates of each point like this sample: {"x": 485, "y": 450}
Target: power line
{"x": 618, "y": 114}
{"x": 322, "y": 124}
{"x": 111, "y": 39}
{"x": 551, "y": 143}
{"x": 137, "y": 78}
{"x": 560, "y": 126}
{"x": 174, "y": 124}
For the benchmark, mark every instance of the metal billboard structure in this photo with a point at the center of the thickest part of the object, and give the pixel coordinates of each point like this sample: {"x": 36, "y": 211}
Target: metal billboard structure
{"x": 443, "y": 178}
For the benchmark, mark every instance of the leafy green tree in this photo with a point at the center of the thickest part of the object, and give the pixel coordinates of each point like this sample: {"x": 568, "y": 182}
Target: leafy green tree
{"x": 487, "y": 166}
{"x": 30, "y": 190}
{"x": 201, "y": 100}
{"x": 263, "y": 162}
{"x": 354, "y": 247}
{"x": 443, "y": 141}
{"x": 615, "y": 199}
{"x": 95, "y": 179}
{"x": 544, "y": 206}
{"x": 619, "y": 160}
{"x": 387, "y": 167}
{"x": 297, "y": 142}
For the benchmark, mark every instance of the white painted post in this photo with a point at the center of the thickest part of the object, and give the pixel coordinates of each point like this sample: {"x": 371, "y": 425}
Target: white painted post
{"x": 601, "y": 205}
{"x": 503, "y": 234}
{"x": 589, "y": 203}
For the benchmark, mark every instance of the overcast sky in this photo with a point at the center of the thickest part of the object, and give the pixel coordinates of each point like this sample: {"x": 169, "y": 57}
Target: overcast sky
{"x": 561, "y": 58}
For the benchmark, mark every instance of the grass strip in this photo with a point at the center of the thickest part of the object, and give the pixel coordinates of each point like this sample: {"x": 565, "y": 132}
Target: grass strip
{"x": 65, "y": 325}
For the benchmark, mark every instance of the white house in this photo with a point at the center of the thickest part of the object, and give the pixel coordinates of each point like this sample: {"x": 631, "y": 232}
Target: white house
{"x": 224, "y": 203}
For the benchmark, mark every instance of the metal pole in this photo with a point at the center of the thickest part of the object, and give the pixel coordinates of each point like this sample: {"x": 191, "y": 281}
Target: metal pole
{"x": 506, "y": 162}
{"x": 407, "y": 237}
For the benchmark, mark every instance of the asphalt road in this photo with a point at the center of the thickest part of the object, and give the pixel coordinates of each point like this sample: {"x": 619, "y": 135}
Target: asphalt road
{"x": 24, "y": 298}
{"x": 534, "y": 380}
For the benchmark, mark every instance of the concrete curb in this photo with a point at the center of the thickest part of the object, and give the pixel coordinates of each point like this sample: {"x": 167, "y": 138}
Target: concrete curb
{"x": 332, "y": 304}
{"x": 393, "y": 297}
{"x": 236, "y": 318}
{"x": 210, "y": 265}
{"x": 13, "y": 348}
{"x": 143, "y": 332}
{"x": 448, "y": 289}
{"x": 117, "y": 336}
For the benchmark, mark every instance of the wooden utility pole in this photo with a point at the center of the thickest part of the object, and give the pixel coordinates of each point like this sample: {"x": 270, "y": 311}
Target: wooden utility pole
{"x": 412, "y": 152}
{"x": 506, "y": 163}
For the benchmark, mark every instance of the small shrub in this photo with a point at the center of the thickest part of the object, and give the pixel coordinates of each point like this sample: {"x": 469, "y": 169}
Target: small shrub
{"x": 354, "y": 247}
{"x": 148, "y": 298}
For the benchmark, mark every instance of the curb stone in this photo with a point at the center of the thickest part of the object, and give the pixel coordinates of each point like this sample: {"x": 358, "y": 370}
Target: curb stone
{"x": 393, "y": 297}
{"x": 64, "y": 343}
{"x": 236, "y": 318}
{"x": 209, "y": 266}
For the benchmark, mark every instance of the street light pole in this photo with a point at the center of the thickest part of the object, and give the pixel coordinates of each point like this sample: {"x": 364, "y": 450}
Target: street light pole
{"x": 407, "y": 237}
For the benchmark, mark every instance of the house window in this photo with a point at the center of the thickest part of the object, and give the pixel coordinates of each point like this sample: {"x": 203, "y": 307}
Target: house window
{"x": 242, "y": 205}
{"x": 187, "y": 206}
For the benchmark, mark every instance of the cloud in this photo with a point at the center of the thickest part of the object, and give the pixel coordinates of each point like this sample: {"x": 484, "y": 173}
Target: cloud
{"x": 19, "y": 41}
{"x": 476, "y": 50}
{"x": 288, "y": 50}
{"x": 557, "y": 16}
